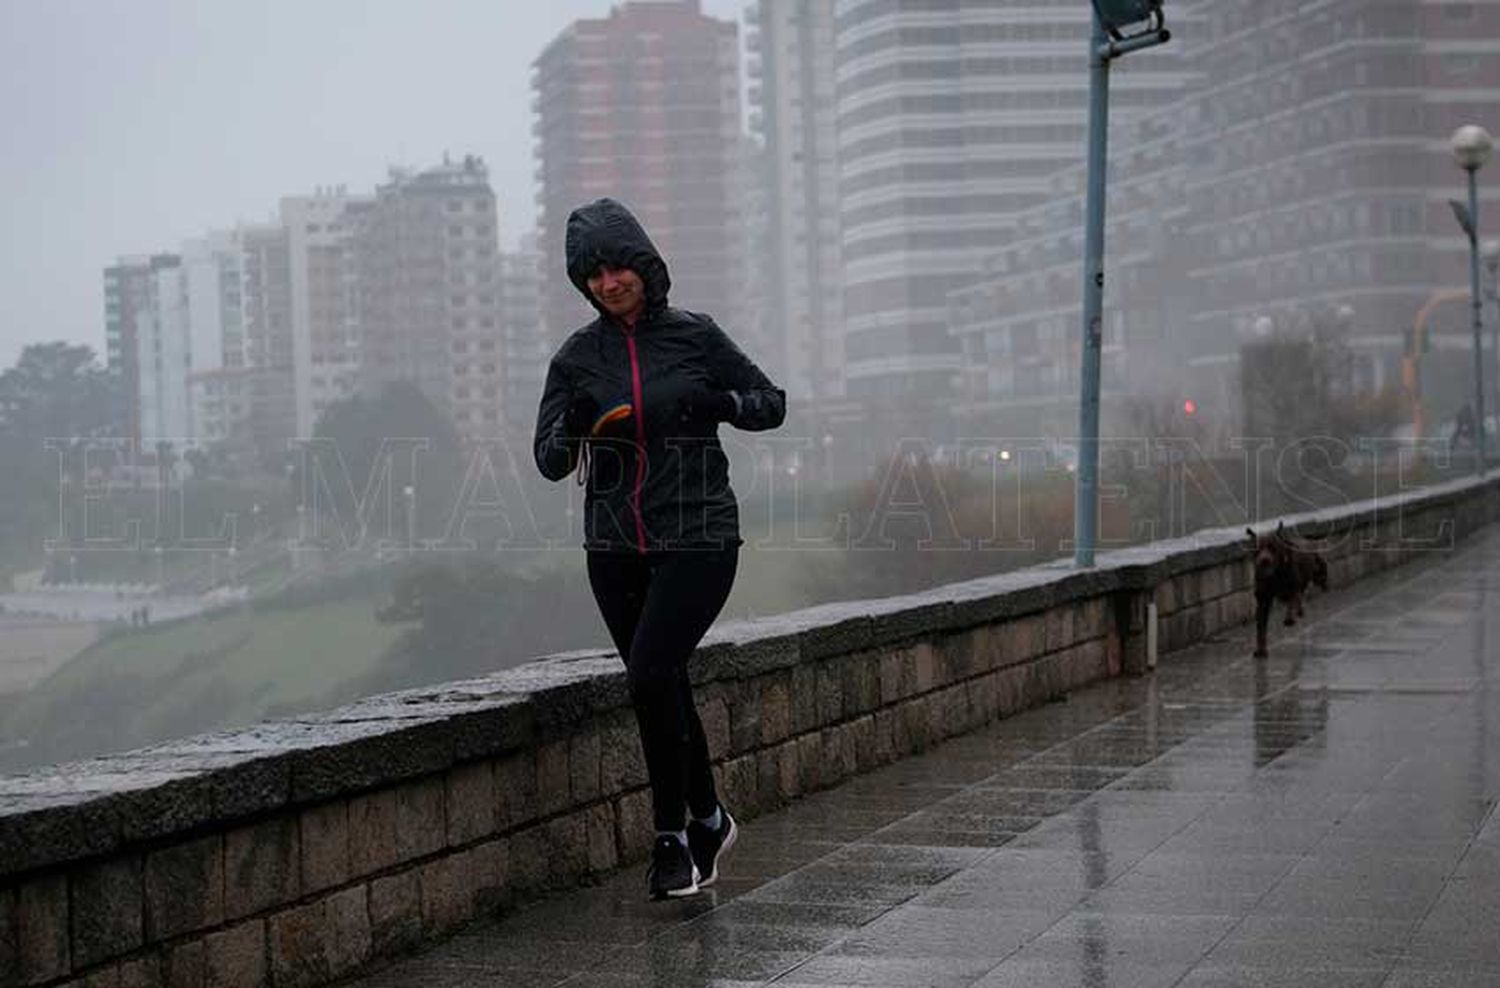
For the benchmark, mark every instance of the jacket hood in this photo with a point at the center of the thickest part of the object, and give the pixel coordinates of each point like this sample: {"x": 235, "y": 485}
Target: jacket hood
{"x": 605, "y": 232}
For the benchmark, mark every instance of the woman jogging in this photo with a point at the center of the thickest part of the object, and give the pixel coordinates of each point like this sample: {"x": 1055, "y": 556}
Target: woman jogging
{"x": 633, "y": 401}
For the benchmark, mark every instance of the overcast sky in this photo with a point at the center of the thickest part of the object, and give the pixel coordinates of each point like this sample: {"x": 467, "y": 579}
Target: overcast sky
{"x": 127, "y": 125}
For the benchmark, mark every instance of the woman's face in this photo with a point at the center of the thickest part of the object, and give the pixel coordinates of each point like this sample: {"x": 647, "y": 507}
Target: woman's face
{"x": 619, "y": 290}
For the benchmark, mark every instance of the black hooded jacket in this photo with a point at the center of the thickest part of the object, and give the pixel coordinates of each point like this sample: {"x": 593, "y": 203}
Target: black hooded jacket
{"x": 661, "y": 483}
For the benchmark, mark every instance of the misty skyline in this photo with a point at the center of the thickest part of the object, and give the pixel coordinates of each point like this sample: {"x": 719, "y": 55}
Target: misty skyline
{"x": 131, "y": 127}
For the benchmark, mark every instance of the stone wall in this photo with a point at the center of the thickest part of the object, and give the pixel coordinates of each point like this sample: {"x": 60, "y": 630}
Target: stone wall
{"x": 294, "y": 852}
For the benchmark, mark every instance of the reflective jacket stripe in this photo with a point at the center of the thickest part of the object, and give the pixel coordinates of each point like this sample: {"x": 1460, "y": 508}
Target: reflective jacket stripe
{"x": 640, "y": 439}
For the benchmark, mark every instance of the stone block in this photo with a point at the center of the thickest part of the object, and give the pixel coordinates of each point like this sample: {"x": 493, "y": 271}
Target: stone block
{"x": 567, "y": 848}
{"x": 261, "y": 866}
{"x": 530, "y": 858}
{"x": 862, "y": 733}
{"x": 768, "y": 776}
{"x": 804, "y": 698}
{"x": 810, "y": 761}
{"x": 108, "y": 910}
{"x": 41, "y": 929}
{"x": 1212, "y": 582}
{"x": 146, "y": 972}
{"x": 421, "y": 820}
{"x": 488, "y": 867}
{"x": 107, "y": 978}
{"x": 184, "y": 888}
{"x": 921, "y": 665}
{"x": 583, "y": 767}
{"x": 515, "y": 789}
{"x": 186, "y": 966}
{"x": 395, "y": 913}
{"x": 902, "y": 742}
{"x": 236, "y": 957}
{"x": 1187, "y": 589}
{"x": 324, "y": 839}
{"x": 1060, "y": 627}
{"x": 741, "y": 780}
{"x": 600, "y": 821}
{"x": 885, "y": 736}
{"x": 633, "y": 825}
{"x": 745, "y": 708}
{"x": 1094, "y": 618}
{"x": 622, "y": 764}
{"x": 348, "y": 941}
{"x": 372, "y": 832}
{"x": 553, "y": 786}
{"x": 471, "y": 802}
{"x": 982, "y": 697}
{"x": 775, "y": 708}
{"x": 713, "y": 711}
{"x": 861, "y": 683}
{"x": 830, "y": 694}
{"x": 890, "y": 676}
{"x": 299, "y": 946}
{"x": 838, "y": 753}
{"x": 10, "y": 958}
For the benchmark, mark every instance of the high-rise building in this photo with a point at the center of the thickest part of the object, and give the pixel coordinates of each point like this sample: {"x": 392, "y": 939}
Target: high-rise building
{"x": 127, "y": 286}
{"x": 951, "y": 117}
{"x": 163, "y": 355}
{"x": 325, "y": 321}
{"x": 791, "y": 96}
{"x": 1298, "y": 185}
{"x": 1321, "y": 169}
{"x": 524, "y": 354}
{"x": 428, "y": 290}
{"x": 270, "y": 392}
{"x": 643, "y": 106}
{"x": 214, "y": 274}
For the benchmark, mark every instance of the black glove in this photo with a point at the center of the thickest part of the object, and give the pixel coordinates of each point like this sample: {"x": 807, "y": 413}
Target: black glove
{"x": 707, "y": 406}
{"x": 580, "y": 416}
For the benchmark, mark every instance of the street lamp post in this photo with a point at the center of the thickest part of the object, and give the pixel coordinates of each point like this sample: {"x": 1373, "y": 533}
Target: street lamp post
{"x": 411, "y": 516}
{"x": 1107, "y": 42}
{"x": 1472, "y": 146}
{"x": 1490, "y": 252}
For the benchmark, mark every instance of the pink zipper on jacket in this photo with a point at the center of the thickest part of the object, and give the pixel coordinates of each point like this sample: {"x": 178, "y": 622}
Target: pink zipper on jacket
{"x": 640, "y": 438}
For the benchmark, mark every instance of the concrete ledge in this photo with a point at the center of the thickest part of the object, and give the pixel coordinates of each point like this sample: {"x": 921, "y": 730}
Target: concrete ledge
{"x": 295, "y": 852}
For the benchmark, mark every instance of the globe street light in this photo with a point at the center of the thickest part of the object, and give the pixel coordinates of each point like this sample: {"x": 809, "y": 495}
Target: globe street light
{"x": 1472, "y": 147}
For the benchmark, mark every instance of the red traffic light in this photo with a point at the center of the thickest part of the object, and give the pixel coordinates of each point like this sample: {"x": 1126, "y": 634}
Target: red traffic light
{"x": 1189, "y": 406}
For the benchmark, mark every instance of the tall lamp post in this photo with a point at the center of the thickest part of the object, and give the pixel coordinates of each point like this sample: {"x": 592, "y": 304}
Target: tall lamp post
{"x": 1108, "y": 41}
{"x": 1472, "y": 146}
{"x": 1490, "y": 252}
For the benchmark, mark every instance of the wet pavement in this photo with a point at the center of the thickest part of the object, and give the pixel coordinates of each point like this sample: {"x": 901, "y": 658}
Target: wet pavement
{"x": 1323, "y": 817}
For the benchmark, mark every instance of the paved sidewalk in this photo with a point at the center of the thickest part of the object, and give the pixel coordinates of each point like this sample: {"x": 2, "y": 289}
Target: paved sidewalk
{"x": 1323, "y": 817}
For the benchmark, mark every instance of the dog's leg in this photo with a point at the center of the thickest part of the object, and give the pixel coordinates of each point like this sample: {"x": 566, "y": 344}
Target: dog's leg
{"x": 1262, "y": 618}
{"x": 1293, "y": 608}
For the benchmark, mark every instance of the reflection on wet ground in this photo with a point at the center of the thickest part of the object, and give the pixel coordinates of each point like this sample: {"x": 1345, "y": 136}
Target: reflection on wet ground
{"x": 1322, "y": 817}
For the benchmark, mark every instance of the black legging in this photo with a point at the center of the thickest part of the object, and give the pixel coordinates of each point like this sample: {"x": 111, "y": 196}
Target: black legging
{"x": 657, "y": 608}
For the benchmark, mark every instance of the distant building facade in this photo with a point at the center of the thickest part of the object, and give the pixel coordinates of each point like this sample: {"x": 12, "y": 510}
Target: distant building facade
{"x": 951, "y": 118}
{"x": 428, "y": 308}
{"x": 524, "y": 351}
{"x": 791, "y": 94}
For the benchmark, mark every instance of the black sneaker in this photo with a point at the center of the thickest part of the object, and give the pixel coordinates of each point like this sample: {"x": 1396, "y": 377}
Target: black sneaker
{"x": 708, "y": 845}
{"x": 672, "y": 873}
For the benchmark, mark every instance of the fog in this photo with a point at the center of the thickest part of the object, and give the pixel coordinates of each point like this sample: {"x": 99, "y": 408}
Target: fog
{"x": 280, "y": 286}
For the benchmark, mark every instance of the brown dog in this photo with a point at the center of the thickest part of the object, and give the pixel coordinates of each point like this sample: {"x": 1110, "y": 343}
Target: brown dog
{"x": 1283, "y": 571}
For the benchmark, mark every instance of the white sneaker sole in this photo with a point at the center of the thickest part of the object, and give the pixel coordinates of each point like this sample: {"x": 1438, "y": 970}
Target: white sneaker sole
{"x": 681, "y": 893}
{"x": 713, "y": 874}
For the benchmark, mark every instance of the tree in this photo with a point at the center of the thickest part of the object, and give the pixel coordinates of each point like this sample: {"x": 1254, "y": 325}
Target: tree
{"x": 58, "y": 393}
{"x": 359, "y": 427}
